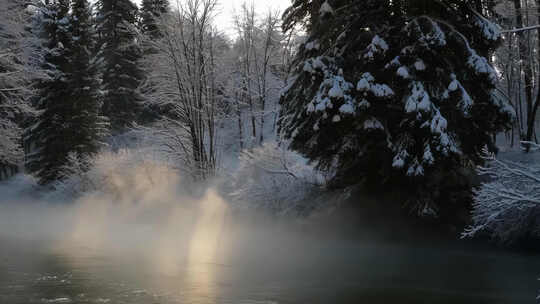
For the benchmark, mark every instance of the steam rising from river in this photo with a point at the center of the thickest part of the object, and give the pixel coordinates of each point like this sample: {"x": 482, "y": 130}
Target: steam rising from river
{"x": 186, "y": 238}
{"x": 147, "y": 209}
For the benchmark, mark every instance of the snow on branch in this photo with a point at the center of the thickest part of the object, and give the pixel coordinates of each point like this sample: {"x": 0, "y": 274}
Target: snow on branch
{"x": 507, "y": 206}
{"x": 528, "y": 28}
{"x": 275, "y": 179}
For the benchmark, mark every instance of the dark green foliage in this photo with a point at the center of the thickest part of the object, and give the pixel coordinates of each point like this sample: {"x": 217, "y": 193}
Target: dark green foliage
{"x": 69, "y": 121}
{"x": 50, "y": 137}
{"x": 149, "y": 23}
{"x": 151, "y": 11}
{"x": 119, "y": 54}
{"x": 396, "y": 94}
{"x": 84, "y": 82}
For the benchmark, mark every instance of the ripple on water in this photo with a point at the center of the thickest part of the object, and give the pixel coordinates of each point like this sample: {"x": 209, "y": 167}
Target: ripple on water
{"x": 57, "y": 300}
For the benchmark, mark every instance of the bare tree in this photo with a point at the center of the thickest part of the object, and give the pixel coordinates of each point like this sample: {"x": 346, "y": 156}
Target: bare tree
{"x": 259, "y": 45}
{"x": 519, "y": 64}
{"x": 183, "y": 80}
{"x": 245, "y": 28}
{"x": 269, "y": 51}
{"x": 17, "y": 54}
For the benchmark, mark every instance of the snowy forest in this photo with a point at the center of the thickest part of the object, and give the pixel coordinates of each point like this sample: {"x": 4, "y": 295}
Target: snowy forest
{"x": 434, "y": 101}
{"x": 419, "y": 117}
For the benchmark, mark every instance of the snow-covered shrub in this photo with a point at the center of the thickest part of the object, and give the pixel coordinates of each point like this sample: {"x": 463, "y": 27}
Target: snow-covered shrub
{"x": 275, "y": 179}
{"x": 118, "y": 173}
{"x": 507, "y": 207}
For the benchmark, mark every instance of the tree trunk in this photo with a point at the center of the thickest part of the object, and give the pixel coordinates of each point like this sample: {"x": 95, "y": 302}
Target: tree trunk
{"x": 531, "y": 116}
{"x": 253, "y": 119}
{"x": 527, "y": 69}
{"x": 239, "y": 116}
{"x": 261, "y": 135}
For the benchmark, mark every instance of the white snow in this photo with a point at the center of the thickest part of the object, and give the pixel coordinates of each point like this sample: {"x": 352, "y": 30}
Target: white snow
{"x": 466, "y": 100}
{"x": 308, "y": 67}
{"x": 363, "y": 84}
{"x": 403, "y": 72}
{"x": 381, "y": 90}
{"x": 490, "y": 30}
{"x": 373, "y": 123}
{"x": 420, "y": 65}
{"x": 324, "y": 104}
{"x": 336, "y": 91}
{"x": 415, "y": 169}
{"x": 506, "y": 206}
{"x": 311, "y": 65}
{"x": 346, "y": 108}
{"x": 399, "y": 159}
{"x": 398, "y": 162}
{"x": 428, "y": 156}
{"x": 453, "y": 85}
{"x": 438, "y": 123}
{"x": 313, "y": 45}
{"x": 482, "y": 66}
{"x": 377, "y": 45}
{"x": 326, "y": 9}
{"x": 418, "y": 100}
{"x": 394, "y": 62}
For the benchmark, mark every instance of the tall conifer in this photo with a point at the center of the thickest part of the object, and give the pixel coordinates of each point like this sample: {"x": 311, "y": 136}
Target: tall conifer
{"x": 69, "y": 123}
{"x": 397, "y": 94}
{"x": 50, "y": 136}
{"x": 151, "y": 11}
{"x": 119, "y": 53}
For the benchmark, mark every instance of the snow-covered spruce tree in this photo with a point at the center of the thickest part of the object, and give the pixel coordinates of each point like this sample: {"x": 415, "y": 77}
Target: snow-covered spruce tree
{"x": 15, "y": 87}
{"x": 151, "y": 11}
{"x": 69, "y": 101}
{"x": 85, "y": 97}
{"x": 394, "y": 94}
{"x": 119, "y": 53}
{"x": 48, "y": 138}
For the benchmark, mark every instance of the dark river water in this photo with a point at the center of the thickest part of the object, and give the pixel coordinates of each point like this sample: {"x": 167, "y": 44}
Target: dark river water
{"x": 289, "y": 271}
{"x": 148, "y": 252}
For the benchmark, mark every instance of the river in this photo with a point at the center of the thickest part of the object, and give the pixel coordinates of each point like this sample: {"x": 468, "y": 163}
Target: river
{"x": 299, "y": 267}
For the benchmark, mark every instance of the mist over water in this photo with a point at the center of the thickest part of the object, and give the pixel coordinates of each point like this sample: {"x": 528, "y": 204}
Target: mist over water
{"x": 152, "y": 237}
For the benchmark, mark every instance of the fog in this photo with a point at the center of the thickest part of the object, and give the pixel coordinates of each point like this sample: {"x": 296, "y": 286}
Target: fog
{"x": 180, "y": 242}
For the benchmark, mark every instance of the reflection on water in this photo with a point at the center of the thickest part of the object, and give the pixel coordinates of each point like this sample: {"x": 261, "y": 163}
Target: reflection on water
{"x": 204, "y": 248}
{"x": 326, "y": 272}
